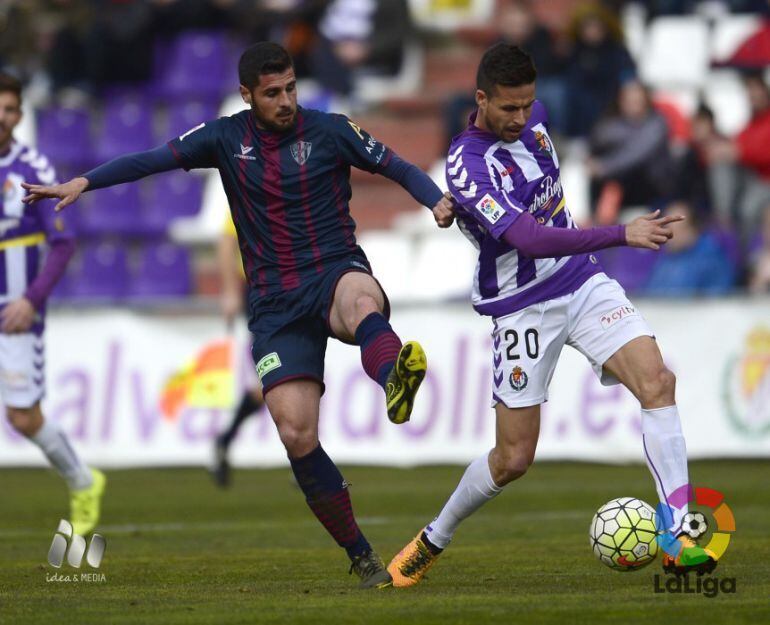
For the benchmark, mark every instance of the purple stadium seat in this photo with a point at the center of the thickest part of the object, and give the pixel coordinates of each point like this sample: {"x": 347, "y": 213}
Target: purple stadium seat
{"x": 174, "y": 194}
{"x": 196, "y": 65}
{"x": 163, "y": 271}
{"x": 185, "y": 115}
{"x": 64, "y": 136}
{"x": 127, "y": 126}
{"x": 114, "y": 210}
{"x": 628, "y": 265}
{"x": 101, "y": 273}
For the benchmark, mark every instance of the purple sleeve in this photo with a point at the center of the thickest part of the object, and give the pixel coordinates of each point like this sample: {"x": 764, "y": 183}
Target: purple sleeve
{"x": 536, "y": 241}
{"x": 55, "y": 263}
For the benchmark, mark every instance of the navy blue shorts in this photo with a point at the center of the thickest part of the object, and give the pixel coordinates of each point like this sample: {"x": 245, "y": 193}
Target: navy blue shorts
{"x": 291, "y": 328}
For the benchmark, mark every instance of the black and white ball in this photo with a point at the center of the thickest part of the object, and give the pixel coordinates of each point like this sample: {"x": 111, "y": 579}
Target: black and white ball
{"x": 694, "y": 524}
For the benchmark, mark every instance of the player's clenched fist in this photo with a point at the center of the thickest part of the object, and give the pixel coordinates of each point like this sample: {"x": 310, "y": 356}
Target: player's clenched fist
{"x": 67, "y": 192}
{"x": 443, "y": 211}
{"x": 651, "y": 231}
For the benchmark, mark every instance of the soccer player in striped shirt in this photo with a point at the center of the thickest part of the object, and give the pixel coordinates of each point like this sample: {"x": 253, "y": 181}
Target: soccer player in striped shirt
{"x": 286, "y": 174}
{"x": 537, "y": 279}
{"x": 35, "y": 247}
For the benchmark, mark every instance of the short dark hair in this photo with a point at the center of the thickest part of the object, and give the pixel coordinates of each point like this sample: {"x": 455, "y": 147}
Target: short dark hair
{"x": 11, "y": 84}
{"x": 506, "y": 65}
{"x": 262, "y": 58}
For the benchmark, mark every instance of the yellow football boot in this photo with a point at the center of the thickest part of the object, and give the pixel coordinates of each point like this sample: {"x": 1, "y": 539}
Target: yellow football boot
{"x": 85, "y": 504}
{"x": 409, "y": 566}
{"x": 404, "y": 380}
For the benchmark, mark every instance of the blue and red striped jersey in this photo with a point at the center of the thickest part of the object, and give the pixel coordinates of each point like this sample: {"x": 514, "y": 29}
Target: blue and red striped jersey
{"x": 288, "y": 192}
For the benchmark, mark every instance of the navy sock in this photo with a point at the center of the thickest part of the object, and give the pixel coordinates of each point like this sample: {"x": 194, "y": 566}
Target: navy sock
{"x": 326, "y": 492}
{"x": 379, "y": 347}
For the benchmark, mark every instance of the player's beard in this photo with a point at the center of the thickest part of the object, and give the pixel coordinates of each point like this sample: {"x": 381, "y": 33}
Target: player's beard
{"x": 272, "y": 126}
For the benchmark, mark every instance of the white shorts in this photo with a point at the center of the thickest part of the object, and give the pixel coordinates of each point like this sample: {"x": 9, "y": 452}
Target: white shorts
{"x": 22, "y": 369}
{"x": 597, "y": 320}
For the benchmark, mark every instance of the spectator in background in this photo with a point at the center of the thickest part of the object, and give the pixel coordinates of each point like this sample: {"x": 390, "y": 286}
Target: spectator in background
{"x": 173, "y": 16}
{"x": 690, "y": 175}
{"x": 99, "y": 42}
{"x": 759, "y": 275}
{"x": 599, "y": 65}
{"x": 292, "y": 22}
{"x": 18, "y": 36}
{"x": 519, "y": 26}
{"x": 740, "y": 168}
{"x": 630, "y": 149}
{"x": 692, "y": 263}
{"x": 358, "y": 34}
{"x": 516, "y": 24}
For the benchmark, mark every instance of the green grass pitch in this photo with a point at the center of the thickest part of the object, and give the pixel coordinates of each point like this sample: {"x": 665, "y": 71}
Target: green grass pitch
{"x": 180, "y": 551}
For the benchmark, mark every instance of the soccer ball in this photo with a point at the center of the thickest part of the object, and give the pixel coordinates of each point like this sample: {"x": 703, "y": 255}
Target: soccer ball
{"x": 623, "y": 534}
{"x": 694, "y": 524}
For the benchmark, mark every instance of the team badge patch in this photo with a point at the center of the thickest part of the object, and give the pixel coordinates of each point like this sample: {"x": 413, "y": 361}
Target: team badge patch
{"x": 518, "y": 379}
{"x": 491, "y": 210}
{"x": 300, "y": 151}
{"x": 543, "y": 142}
{"x": 267, "y": 364}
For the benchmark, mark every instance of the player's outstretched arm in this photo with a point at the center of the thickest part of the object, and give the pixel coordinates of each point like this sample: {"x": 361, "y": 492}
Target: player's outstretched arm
{"x": 537, "y": 241}
{"x": 125, "y": 168}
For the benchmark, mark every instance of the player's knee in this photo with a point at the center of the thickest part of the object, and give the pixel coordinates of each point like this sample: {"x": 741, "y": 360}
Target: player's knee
{"x": 363, "y": 306}
{"x": 515, "y": 464}
{"x": 658, "y": 388}
{"x": 298, "y": 441}
{"x": 23, "y": 420}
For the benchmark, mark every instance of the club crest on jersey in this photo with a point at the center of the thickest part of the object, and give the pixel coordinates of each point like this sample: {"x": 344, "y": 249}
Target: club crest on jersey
{"x": 300, "y": 151}
{"x": 491, "y": 210}
{"x": 543, "y": 142}
{"x": 518, "y": 379}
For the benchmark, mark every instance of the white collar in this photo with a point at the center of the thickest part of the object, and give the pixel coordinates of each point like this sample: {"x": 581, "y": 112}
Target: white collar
{"x": 13, "y": 153}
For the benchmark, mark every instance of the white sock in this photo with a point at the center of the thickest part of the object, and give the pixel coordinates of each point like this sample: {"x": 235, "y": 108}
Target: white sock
{"x": 54, "y": 444}
{"x": 475, "y": 488}
{"x": 666, "y": 455}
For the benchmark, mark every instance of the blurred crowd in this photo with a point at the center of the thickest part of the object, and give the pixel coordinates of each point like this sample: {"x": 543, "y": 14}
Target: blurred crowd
{"x": 82, "y": 45}
{"x": 639, "y": 152}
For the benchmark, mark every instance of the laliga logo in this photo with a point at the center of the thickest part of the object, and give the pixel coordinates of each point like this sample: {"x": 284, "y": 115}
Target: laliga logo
{"x": 694, "y": 524}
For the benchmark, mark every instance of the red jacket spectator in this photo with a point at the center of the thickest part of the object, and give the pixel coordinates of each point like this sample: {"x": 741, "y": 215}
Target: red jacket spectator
{"x": 752, "y": 144}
